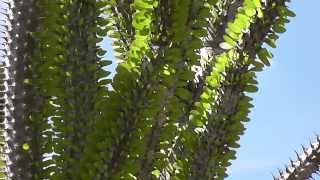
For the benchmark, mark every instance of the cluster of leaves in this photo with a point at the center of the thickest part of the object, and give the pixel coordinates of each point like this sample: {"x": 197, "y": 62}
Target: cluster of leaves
{"x": 54, "y": 78}
{"x": 162, "y": 118}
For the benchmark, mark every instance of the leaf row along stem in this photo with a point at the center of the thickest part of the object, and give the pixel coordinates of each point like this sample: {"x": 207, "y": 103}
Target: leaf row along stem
{"x": 261, "y": 29}
{"x": 119, "y": 13}
{"x": 83, "y": 74}
{"x": 116, "y": 101}
{"x": 68, "y": 27}
{"x": 175, "y": 78}
{"x": 213, "y": 82}
{"x": 161, "y": 73}
{"x": 153, "y": 96}
{"x": 217, "y": 25}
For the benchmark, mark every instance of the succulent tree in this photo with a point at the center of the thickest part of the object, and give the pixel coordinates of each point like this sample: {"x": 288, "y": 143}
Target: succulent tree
{"x": 306, "y": 165}
{"x": 175, "y": 108}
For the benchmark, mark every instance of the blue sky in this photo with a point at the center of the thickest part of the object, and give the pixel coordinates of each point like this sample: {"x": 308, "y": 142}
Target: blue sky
{"x": 287, "y": 106}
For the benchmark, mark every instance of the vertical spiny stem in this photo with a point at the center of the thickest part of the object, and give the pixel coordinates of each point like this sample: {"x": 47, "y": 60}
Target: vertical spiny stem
{"x": 3, "y": 173}
{"x": 22, "y": 103}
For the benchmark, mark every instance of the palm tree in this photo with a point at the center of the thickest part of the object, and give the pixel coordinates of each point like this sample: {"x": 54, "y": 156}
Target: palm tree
{"x": 175, "y": 108}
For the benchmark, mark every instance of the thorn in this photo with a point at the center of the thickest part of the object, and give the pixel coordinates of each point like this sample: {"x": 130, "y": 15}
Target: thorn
{"x": 4, "y": 30}
{"x": 299, "y": 158}
{"x": 5, "y": 2}
{"x": 287, "y": 169}
{"x": 274, "y": 177}
{"x": 304, "y": 150}
{"x": 280, "y": 172}
{"x": 4, "y": 38}
{"x": 4, "y": 50}
{"x": 292, "y": 163}
{"x": 5, "y": 26}
{"x": 312, "y": 145}
{"x": 5, "y": 14}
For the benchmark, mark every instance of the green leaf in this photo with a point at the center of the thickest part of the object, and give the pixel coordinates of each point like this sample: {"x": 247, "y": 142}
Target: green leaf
{"x": 279, "y": 28}
{"x": 212, "y": 2}
{"x": 234, "y": 145}
{"x": 186, "y": 75}
{"x": 213, "y": 82}
{"x": 260, "y": 13}
{"x": 250, "y": 12}
{"x": 257, "y": 66}
{"x": 220, "y": 67}
{"x": 196, "y": 121}
{"x": 105, "y": 62}
{"x": 101, "y": 52}
{"x": 103, "y": 73}
{"x": 200, "y": 32}
{"x": 156, "y": 173}
{"x": 229, "y": 40}
{"x": 251, "y": 89}
{"x": 204, "y": 12}
{"x": 284, "y": 11}
{"x": 271, "y": 42}
{"x": 233, "y": 35}
{"x": 105, "y": 81}
{"x": 257, "y": 3}
{"x": 244, "y": 18}
{"x": 183, "y": 93}
{"x": 196, "y": 43}
{"x": 143, "y": 4}
{"x": 264, "y": 56}
{"x": 141, "y": 20}
{"x": 235, "y": 27}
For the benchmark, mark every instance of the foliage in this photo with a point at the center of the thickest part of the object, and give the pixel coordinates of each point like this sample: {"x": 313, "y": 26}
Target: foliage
{"x": 175, "y": 108}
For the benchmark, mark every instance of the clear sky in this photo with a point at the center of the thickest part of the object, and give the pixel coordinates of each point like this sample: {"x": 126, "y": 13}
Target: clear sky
{"x": 287, "y": 106}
